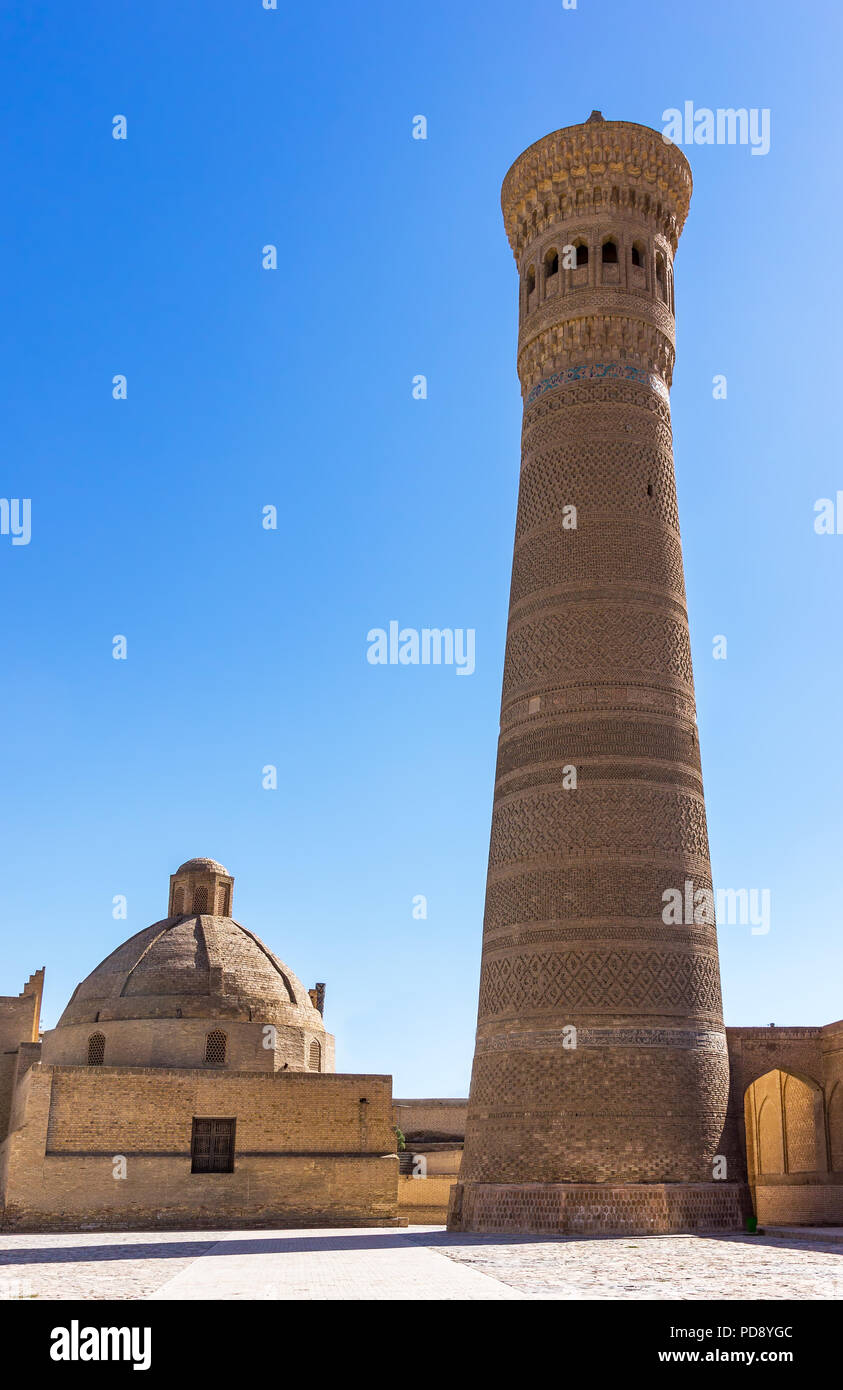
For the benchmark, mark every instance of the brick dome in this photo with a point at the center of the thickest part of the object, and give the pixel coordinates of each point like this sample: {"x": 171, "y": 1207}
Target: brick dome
{"x": 188, "y": 967}
{"x": 213, "y": 864}
{"x": 196, "y": 989}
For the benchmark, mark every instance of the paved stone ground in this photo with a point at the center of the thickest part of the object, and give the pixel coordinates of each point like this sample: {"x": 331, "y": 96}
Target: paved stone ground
{"x": 655, "y": 1267}
{"x": 90, "y": 1264}
{"x": 418, "y": 1263}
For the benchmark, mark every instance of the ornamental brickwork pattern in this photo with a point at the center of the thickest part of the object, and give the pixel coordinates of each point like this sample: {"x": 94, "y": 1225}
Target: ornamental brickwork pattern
{"x": 662, "y": 981}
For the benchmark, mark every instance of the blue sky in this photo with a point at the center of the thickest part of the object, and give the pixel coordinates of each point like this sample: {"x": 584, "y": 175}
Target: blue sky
{"x": 292, "y": 387}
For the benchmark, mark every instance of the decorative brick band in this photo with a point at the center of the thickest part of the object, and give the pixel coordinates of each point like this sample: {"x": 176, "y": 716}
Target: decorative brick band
{"x": 620, "y": 371}
{"x": 598, "y": 1209}
{"x": 689, "y": 1039}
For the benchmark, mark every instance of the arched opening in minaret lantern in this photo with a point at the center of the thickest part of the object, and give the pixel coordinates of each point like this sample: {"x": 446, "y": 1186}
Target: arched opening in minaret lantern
{"x": 551, "y": 270}
{"x": 610, "y": 266}
{"x": 638, "y": 265}
{"x": 661, "y": 277}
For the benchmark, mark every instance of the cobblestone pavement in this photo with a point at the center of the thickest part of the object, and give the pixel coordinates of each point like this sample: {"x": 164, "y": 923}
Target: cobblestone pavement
{"x": 653, "y": 1267}
{"x": 419, "y": 1263}
{"x": 93, "y": 1264}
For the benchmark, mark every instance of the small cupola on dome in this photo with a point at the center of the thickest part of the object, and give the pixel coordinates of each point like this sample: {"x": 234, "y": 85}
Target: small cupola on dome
{"x": 201, "y": 886}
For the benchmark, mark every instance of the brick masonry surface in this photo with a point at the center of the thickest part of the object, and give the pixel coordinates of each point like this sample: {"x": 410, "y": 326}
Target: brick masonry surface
{"x": 578, "y": 1209}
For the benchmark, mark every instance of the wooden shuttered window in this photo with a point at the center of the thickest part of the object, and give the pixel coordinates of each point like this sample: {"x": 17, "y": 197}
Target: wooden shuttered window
{"x": 212, "y": 1146}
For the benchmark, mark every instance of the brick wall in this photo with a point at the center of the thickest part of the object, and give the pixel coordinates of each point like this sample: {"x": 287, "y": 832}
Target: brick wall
{"x": 8, "y": 1067}
{"x": 180, "y": 1042}
{"x": 424, "y": 1201}
{"x": 433, "y": 1118}
{"x": 309, "y": 1148}
{"x": 19, "y": 1016}
{"x": 799, "y": 1204}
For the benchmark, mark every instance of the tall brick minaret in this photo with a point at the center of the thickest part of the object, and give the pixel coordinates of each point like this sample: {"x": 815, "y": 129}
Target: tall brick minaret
{"x": 600, "y": 1079}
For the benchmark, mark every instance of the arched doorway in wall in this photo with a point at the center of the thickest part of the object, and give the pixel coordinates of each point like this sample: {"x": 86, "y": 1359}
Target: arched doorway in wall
{"x": 786, "y": 1149}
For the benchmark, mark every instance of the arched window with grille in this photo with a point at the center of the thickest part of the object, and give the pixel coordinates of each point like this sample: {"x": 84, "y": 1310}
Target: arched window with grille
{"x": 315, "y": 1061}
{"x": 96, "y": 1049}
{"x": 200, "y": 899}
{"x": 215, "y": 1047}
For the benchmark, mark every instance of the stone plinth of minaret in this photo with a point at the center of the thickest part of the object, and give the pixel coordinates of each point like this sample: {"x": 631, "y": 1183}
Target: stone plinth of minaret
{"x": 600, "y": 1080}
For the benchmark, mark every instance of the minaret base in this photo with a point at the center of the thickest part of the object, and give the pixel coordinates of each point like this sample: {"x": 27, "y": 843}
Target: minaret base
{"x": 599, "y": 1209}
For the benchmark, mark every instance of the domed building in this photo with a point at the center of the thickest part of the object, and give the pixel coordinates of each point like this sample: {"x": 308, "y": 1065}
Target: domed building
{"x": 189, "y": 990}
{"x": 189, "y": 1082}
